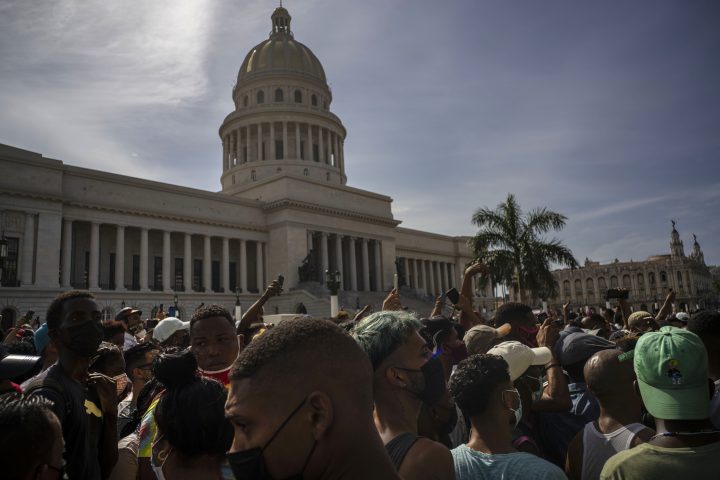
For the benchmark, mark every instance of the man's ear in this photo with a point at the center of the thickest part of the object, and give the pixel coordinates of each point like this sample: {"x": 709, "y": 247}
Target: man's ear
{"x": 395, "y": 378}
{"x": 323, "y": 413}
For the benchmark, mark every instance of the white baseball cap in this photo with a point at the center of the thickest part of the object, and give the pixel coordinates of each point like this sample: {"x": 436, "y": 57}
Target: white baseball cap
{"x": 167, "y": 326}
{"x": 520, "y": 357}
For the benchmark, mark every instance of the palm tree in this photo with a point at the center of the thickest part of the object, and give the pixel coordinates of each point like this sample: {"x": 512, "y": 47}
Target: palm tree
{"x": 511, "y": 243}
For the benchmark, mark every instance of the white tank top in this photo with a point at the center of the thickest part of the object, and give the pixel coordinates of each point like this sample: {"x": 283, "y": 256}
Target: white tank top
{"x": 599, "y": 447}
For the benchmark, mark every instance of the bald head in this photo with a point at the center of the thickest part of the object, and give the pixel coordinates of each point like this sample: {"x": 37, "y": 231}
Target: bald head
{"x": 607, "y": 377}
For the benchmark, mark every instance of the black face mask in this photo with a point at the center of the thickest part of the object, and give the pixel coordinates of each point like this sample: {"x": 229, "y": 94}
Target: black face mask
{"x": 434, "y": 380}
{"x": 84, "y": 339}
{"x": 250, "y": 464}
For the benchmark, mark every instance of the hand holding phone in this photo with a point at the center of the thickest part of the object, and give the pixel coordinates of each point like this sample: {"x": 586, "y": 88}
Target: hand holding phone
{"x": 453, "y": 295}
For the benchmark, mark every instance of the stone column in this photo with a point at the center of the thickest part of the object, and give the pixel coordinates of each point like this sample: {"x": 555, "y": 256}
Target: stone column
{"x": 259, "y": 142}
{"x": 66, "y": 253}
{"x": 378, "y": 267}
{"x": 309, "y": 144}
{"x": 413, "y": 267}
{"x": 259, "y": 267}
{"x": 324, "y": 260}
{"x": 336, "y": 149}
{"x": 225, "y": 269}
{"x": 353, "y": 264}
{"x": 225, "y": 152}
{"x": 455, "y": 279}
{"x": 339, "y": 258}
{"x": 365, "y": 264}
{"x": 243, "y": 265}
{"x": 321, "y": 145}
{"x": 144, "y": 260}
{"x": 309, "y": 241}
{"x": 207, "y": 264}
{"x": 273, "y": 156}
{"x": 120, "y": 257}
{"x": 431, "y": 277}
{"x": 28, "y": 250}
{"x": 166, "y": 270}
{"x": 247, "y": 143}
{"x": 94, "y": 267}
{"x": 297, "y": 141}
{"x": 285, "y": 141}
{"x": 188, "y": 264}
{"x": 443, "y": 274}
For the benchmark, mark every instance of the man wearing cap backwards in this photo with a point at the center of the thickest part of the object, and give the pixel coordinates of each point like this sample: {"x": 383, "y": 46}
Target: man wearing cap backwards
{"x": 609, "y": 376}
{"x": 481, "y": 386}
{"x": 672, "y": 377}
{"x": 172, "y": 332}
{"x": 133, "y": 324}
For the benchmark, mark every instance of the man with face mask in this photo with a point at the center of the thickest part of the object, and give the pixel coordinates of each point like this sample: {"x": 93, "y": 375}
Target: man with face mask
{"x": 482, "y": 388}
{"x": 404, "y": 377}
{"x": 138, "y": 367}
{"x": 521, "y": 319}
{"x": 85, "y": 404}
{"x": 135, "y": 330}
{"x": 301, "y": 405}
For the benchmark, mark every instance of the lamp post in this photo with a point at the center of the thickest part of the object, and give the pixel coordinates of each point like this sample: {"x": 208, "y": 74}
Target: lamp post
{"x": 332, "y": 282}
{"x": 238, "y": 308}
{"x": 175, "y": 302}
{"x": 122, "y": 304}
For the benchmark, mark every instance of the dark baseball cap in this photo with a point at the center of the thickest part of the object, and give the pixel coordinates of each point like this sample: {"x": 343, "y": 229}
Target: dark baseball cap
{"x": 578, "y": 346}
{"x": 126, "y": 312}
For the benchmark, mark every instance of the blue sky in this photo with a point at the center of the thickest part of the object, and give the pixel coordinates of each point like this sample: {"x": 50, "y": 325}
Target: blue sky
{"x": 608, "y": 112}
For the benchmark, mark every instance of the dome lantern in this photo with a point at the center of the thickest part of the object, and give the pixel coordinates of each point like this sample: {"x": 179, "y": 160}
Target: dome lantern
{"x": 281, "y": 21}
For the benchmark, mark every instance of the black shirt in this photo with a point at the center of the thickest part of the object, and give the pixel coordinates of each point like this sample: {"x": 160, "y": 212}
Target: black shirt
{"x": 78, "y": 410}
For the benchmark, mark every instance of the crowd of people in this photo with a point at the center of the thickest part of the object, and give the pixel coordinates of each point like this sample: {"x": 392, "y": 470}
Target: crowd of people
{"x": 598, "y": 394}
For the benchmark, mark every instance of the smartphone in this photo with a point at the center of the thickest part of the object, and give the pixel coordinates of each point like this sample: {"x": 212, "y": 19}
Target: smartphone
{"x": 617, "y": 293}
{"x": 281, "y": 280}
{"x": 453, "y": 295}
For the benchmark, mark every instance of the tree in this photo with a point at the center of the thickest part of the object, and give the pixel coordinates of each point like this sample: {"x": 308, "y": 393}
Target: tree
{"x": 511, "y": 244}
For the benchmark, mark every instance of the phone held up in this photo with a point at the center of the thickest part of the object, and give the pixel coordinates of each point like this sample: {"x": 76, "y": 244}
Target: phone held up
{"x": 453, "y": 295}
{"x": 617, "y": 293}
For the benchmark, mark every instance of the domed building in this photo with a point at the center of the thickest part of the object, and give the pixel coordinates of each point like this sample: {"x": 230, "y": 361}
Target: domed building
{"x": 284, "y": 208}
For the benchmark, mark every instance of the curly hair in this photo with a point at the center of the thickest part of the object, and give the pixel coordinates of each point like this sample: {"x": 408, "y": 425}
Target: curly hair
{"x": 511, "y": 312}
{"x": 475, "y": 380}
{"x": 53, "y": 316}
{"x": 208, "y": 311}
{"x": 705, "y": 323}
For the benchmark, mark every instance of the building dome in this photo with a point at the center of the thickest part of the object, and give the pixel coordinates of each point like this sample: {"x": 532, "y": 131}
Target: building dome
{"x": 281, "y": 54}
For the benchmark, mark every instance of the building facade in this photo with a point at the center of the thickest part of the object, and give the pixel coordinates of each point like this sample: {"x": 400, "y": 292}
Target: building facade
{"x": 284, "y": 209}
{"x": 648, "y": 281}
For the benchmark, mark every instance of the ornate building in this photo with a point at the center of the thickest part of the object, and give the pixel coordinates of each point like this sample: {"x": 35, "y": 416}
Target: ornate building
{"x": 647, "y": 281}
{"x": 284, "y": 204}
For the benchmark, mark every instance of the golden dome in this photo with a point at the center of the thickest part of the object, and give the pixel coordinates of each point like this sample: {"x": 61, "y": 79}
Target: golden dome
{"x": 281, "y": 54}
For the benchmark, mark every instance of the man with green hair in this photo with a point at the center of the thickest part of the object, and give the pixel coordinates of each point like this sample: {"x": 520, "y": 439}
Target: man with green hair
{"x": 672, "y": 376}
{"x": 404, "y": 376}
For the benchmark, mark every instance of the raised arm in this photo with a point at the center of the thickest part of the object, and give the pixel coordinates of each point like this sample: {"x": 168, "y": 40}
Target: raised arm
{"x": 667, "y": 307}
{"x": 251, "y": 315}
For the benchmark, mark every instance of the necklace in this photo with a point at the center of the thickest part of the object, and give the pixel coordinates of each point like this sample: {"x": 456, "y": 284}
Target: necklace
{"x": 679, "y": 434}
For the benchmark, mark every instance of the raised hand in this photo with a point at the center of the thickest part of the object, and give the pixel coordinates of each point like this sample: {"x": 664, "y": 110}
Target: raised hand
{"x": 392, "y": 301}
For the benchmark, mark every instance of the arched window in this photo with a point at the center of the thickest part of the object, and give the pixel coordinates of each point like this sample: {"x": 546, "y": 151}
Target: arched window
{"x": 679, "y": 279}
{"x": 601, "y": 283}
{"x": 663, "y": 277}
{"x": 313, "y": 100}
{"x": 253, "y": 177}
{"x": 578, "y": 288}
{"x": 305, "y": 172}
{"x": 641, "y": 281}
{"x": 613, "y": 282}
{"x": 245, "y": 101}
{"x": 627, "y": 283}
{"x": 298, "y": 96}
{"x": 651, "y": 277}
{"x": 260, "y": 97}
{"x": 278, "y": 95}
{"x": 590, "y": 287}
{"x": 566, "y": 288}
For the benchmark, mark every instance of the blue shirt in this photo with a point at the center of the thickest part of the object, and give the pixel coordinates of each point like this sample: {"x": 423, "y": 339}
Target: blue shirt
{"x": 473, "y": 465}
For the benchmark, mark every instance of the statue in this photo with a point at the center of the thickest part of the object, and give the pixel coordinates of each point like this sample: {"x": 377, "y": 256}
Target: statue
{"x": 694, "y": 238}
{"x": 307, "y": 270}
{"x": 673, "y": 223}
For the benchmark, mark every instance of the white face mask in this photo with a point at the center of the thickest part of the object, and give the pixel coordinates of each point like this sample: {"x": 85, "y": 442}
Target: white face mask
{"x": 140, "y": 335}
{"x": 157, "y": 469}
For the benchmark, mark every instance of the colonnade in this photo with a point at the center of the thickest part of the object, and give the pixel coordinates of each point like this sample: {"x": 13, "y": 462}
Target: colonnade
{"x": 431, "y": 276}
{"x": 357, "y": 259}
{"x": 247, "y": 143}
{"x": 182, "y": 279}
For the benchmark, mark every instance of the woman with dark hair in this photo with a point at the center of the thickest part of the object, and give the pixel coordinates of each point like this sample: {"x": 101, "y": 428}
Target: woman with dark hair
{"x": 192, "y": 432}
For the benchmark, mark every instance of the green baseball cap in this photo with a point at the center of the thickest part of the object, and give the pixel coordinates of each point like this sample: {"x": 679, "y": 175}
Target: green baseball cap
{"x": 672, "y": 372}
